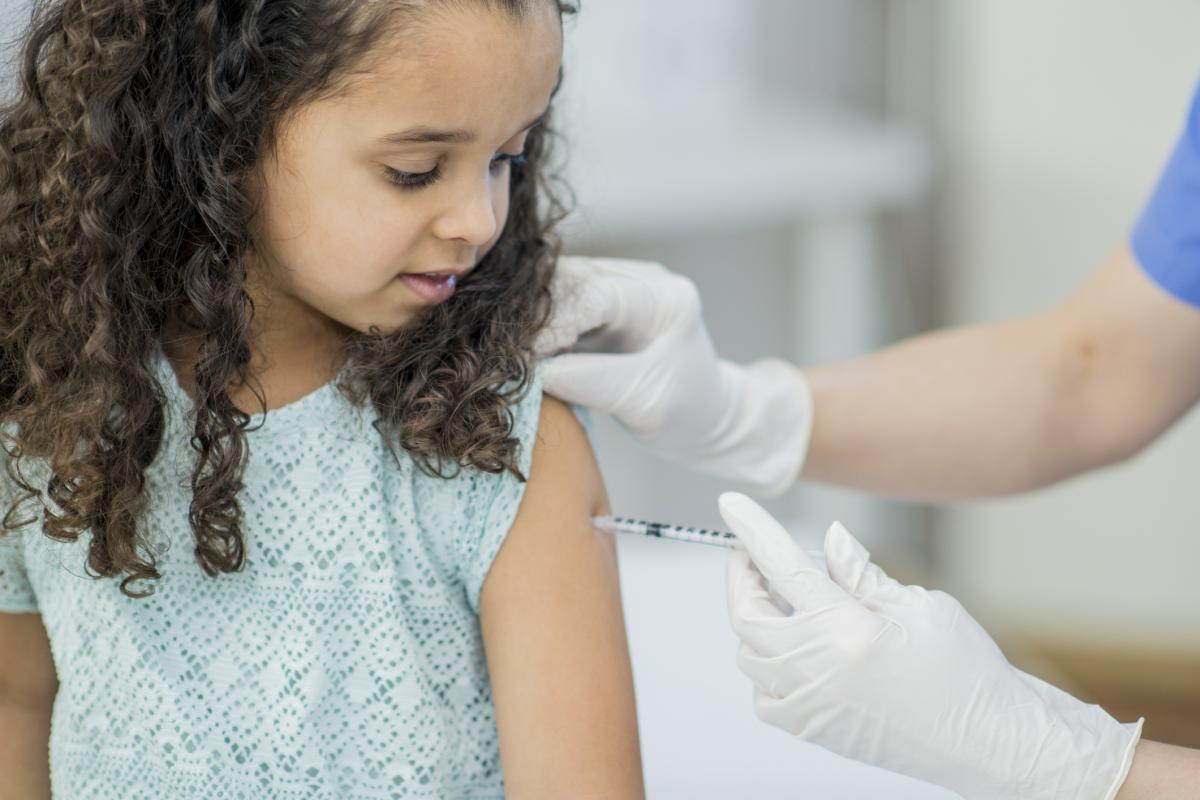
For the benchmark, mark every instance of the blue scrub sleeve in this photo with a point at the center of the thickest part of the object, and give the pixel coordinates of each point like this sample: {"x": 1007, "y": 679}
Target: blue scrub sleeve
{"x": 1166, "y": 239}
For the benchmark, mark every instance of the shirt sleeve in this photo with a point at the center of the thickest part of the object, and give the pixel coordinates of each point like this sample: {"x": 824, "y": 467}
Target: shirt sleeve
{"x": 1166, "y": 238}
{"x": 16, "y": 593}
{"x": 496, "y": 498}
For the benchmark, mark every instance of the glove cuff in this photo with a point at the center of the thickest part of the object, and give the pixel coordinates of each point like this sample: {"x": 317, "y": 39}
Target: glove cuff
{"x": 1084, "y": 753}
{"x": 764, "y": 438}
{"x": 1046, "y": 746}
{"x": 1135, "y": 731}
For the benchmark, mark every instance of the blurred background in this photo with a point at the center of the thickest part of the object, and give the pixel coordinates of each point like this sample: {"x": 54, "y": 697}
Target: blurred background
{"x": 836, "y": 175}
{"x": 839, "y": 174}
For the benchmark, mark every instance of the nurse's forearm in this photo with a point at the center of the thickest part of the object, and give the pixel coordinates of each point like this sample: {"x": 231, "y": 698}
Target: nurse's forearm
{"x": 1002, "y": 408}
{"x": 1162, "y": 772}
{"x": 966, "y": 412}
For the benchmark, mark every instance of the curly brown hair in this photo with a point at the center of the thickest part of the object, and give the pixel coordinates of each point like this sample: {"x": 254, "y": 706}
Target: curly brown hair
{"x": 126, "y": 161}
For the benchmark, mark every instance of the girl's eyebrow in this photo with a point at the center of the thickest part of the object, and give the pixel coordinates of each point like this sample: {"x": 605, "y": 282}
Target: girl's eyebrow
{"x": 423, "y": 135}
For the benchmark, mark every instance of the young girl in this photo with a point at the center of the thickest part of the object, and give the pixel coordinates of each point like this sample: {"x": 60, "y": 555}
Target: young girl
{"x": 271, "y": 272}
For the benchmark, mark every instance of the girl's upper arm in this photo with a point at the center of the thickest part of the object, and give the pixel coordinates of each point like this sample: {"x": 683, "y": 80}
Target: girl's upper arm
{"x": 550, "y": 610}
{"x": 27, "y": 676}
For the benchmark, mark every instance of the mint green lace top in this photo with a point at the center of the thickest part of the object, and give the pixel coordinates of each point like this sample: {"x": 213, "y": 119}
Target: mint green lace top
{"x": 344, "y": 662}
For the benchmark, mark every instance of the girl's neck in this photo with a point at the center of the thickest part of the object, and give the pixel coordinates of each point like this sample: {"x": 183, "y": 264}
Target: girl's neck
{"x": 286, "y": 366}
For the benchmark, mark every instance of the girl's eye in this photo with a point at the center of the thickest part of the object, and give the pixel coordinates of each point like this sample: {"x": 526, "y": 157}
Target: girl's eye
{"x": 419, "y": 180}
{"x": 412, "y": 180}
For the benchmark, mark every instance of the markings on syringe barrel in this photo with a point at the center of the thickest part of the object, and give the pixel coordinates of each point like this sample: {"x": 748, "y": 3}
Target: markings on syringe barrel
{"x": 656, "y": 529}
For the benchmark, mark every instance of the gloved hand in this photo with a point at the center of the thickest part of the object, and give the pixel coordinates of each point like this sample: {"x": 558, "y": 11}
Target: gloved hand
{"x": 903, "y": 678}
{"x": 645, "y": 356}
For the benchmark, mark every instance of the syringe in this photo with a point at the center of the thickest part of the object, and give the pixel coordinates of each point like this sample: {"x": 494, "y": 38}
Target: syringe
{"x": 660, "y": 530}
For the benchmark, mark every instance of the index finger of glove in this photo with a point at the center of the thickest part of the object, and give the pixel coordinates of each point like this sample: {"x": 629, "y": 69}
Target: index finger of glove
{"x": 772, "y": 632}
{"x": 788, "y": 570}
{"x": 603, "y": 382}
{"x": 758, "y": 622}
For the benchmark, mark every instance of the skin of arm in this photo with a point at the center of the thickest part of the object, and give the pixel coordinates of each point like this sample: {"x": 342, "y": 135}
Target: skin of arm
{"x": 554, "y": 633}
{"x": 1002, "y": 408}
{"x": 1162, "y": 772}
{"x": 28, "y": 685}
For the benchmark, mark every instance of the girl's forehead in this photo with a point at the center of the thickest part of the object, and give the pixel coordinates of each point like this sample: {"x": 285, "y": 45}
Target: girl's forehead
{"x": 463, "y": 61}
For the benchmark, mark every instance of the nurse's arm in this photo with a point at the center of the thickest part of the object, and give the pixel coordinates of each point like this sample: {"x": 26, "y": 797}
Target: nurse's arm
{"x": 1162, "y": 772}
{"x": 1007, "y": 407}
{"x": 28, "y": 685}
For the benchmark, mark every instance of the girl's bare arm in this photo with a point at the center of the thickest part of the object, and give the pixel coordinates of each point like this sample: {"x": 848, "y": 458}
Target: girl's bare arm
{"x": 28, "y": 685}
{"x": 555, "y": 636}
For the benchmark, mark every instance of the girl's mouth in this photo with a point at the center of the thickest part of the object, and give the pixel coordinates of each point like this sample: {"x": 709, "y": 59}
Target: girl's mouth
{"x": 432, "y": 287}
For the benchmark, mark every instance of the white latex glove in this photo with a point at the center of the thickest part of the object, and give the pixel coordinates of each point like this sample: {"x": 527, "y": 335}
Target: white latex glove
{"x": 903, "y": 678}
{"x": 644, "y": 356}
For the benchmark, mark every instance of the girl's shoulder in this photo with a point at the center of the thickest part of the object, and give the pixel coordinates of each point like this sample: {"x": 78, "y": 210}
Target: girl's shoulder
{"x": 477, "y": 508}
{"x": 481, "y": 507}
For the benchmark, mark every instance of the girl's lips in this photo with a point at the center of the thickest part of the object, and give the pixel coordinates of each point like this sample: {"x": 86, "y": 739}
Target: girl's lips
{"x": 430, "y": 287}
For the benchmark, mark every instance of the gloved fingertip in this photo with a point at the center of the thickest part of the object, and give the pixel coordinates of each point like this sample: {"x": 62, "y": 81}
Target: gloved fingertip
{"x": 558, "y": 386}
{"x": 770, "y": 546}
{"x": 729, "y": 501}
{"x": 748, "y": 518}
{"x": 577, "y": 378}
{"x": 841, "y": 542}
{"x": 845, "y": 557}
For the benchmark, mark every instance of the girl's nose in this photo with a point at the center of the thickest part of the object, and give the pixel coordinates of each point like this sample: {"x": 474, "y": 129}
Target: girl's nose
{"x": 472, "y": 214}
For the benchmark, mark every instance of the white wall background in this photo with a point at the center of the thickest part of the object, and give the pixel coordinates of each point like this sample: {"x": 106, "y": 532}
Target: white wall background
{"x": 1057, "y": 117}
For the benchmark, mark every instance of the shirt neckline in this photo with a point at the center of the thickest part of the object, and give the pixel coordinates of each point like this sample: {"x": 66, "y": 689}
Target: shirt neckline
{"x": 319, "y": 407}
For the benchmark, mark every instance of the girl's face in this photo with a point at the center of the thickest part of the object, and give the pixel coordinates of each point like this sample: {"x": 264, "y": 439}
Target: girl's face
{"x": 444, "y": 114}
